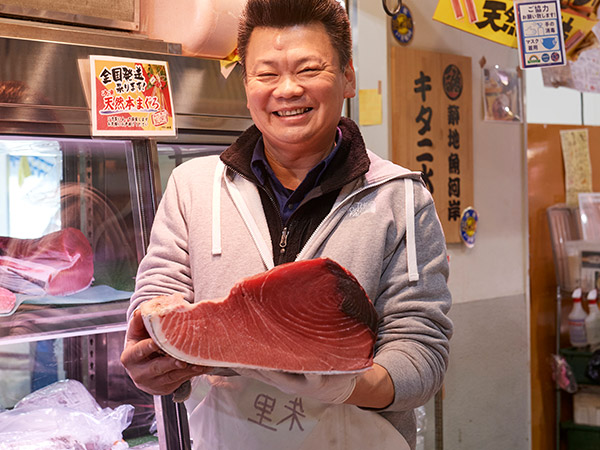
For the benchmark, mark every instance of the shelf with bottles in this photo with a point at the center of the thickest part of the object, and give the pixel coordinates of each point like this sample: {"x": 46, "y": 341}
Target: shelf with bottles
{"x": 583, "y": 357}
{"x": 580, "y": 376}
{"x": 584, "y": 320}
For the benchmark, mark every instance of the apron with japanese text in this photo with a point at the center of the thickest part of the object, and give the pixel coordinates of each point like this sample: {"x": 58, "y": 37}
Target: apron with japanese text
{"x": 242, "y": 413}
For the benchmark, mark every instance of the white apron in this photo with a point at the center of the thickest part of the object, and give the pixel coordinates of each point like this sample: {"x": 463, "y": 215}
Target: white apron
{"x": 242, "y": 413}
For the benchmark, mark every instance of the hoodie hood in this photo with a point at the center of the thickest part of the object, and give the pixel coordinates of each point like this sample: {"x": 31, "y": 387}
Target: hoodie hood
{"x": 350, "y": 162}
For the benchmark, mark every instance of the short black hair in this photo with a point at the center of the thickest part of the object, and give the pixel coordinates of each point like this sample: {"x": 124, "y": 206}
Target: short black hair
{"x": 288, "y": 13}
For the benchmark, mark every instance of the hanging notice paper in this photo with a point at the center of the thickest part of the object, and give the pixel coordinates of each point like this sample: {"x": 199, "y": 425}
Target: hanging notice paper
{"x": 370, "y": 107}
{"x": 539, "y": 33}
{"x": 578, "y": 168}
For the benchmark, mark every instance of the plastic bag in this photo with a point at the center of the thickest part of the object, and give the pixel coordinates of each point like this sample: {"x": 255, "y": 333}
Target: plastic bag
{"x": 421, "y": 417}
{"x": 563, "y": 374}
{"x": 60, "y": 416}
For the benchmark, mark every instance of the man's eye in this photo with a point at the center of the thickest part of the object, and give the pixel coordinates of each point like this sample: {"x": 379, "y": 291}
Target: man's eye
{"x": 267, "y": 75}
{"x": 309, "y": 70}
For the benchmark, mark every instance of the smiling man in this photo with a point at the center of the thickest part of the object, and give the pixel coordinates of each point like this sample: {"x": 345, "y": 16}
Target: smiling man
{"x": 296, "y": 86}
{"x": 298, "y": 185}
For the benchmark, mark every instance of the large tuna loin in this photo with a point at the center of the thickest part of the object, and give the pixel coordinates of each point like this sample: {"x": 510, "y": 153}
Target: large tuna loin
{"x": 58, "y": 263}
{"x": 305, "y": 316}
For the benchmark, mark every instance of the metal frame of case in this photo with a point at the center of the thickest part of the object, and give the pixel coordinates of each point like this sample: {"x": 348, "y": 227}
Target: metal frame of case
{"x": 42, "y": 94}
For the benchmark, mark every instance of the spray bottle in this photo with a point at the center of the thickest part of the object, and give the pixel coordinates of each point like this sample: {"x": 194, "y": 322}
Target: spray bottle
{"x": 592, "y": 321}
{"x": 577, "y": 321}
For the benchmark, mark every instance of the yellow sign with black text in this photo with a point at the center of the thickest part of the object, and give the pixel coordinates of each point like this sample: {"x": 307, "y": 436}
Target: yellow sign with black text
{"x": 495, "y": 20}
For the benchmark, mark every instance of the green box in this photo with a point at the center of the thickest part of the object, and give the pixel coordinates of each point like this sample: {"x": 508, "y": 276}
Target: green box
{"x": 581, "y": 437}
{"x": 578, "y": 360}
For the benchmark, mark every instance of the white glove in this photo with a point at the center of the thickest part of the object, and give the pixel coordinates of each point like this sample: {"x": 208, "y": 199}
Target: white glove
{"x": 325, "y": 388}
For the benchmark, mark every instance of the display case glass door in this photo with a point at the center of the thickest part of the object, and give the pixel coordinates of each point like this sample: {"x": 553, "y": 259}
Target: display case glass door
{"x": 71, "y": 224}
{"x": 172, "y": 155}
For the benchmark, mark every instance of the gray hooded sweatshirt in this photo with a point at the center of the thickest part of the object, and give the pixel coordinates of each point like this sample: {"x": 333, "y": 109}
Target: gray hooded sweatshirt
{"x": 210, "y": 231}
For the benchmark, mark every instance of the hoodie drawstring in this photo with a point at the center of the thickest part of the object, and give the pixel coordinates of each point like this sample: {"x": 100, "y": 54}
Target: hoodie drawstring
{"x": 241, "y": 194}
{"x": 411, "y": 247}
{"x": 216, "y": 209}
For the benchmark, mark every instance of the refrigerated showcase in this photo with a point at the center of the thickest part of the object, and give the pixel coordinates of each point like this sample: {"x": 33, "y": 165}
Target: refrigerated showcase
{"x": 52, "y": 187}
{"x": 54, "y": 176}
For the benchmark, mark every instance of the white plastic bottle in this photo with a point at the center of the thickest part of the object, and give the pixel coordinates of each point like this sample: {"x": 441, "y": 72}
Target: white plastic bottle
{"x": 592, "y": 321}
{"x": 577, "y": 321}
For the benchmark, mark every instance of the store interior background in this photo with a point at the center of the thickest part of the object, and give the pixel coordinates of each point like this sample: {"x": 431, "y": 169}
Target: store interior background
{"x": 488, "y": 389}
{"x": 498, "y": 393}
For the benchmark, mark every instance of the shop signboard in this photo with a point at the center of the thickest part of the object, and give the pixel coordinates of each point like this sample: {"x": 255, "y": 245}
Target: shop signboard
{"x": 539, "y": 33}
{"x": 130, "y": 97}
{"x": 432, "y": 127}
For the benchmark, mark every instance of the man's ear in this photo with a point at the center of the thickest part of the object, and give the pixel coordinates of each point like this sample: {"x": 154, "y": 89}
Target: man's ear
{"x": 350, "y": 77}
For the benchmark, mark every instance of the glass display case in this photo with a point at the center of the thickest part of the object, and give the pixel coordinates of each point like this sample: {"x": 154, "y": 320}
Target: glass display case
{"x": 172, "y": 155}
{"x": 67, "y": 201}
{"x": 70, "y": 238}
{"x": 75, "y": 218}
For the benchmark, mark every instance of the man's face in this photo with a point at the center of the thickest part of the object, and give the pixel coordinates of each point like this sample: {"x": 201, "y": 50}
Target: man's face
{"x": 295, "y": 87}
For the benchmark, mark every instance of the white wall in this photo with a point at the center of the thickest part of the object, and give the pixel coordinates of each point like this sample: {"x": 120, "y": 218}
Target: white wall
{"x": 371, "y": 64}
{"x": 590, "y": 108}
{"x": 550, "y": 105}
{"x": 487, "y": 401}
{"x": 559, "y": 105}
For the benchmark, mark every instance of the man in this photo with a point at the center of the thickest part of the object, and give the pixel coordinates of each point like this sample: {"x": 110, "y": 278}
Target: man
{"x": 301, "y": 180}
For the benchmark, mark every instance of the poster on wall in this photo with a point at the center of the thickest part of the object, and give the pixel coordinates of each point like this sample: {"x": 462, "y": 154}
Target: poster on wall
{"x": 582, "y": 74}
{"x": 432, "y": 128}
{"x": 130, "y": 97}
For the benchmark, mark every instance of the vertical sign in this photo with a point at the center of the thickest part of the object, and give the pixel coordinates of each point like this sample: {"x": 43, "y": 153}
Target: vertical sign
{"x": 432, "y": 127}
{"x": 130, "y": 97}
{"x": 539, "y": 33}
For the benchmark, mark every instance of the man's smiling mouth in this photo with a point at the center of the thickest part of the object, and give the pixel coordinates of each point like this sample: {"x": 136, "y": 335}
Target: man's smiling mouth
{"x": 292, "y": 112}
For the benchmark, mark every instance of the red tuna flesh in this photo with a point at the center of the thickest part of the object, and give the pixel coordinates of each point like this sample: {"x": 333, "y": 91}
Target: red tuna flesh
{"x": 58, "y": 263}
{"x": 305, "y": 316}
{"x": 7, "y": 300}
